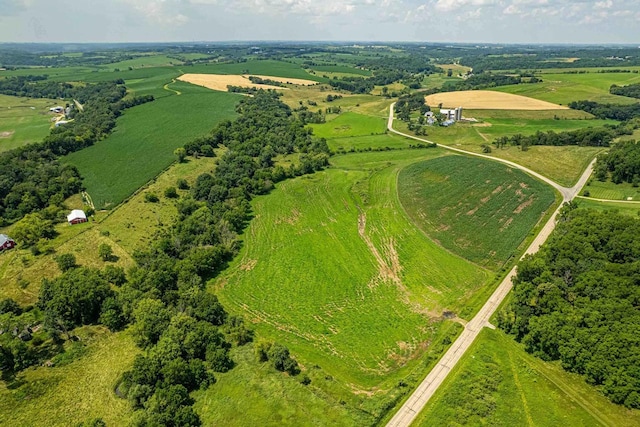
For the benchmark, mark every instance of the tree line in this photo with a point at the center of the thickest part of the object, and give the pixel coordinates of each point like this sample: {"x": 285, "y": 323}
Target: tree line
{"x": 587, "y": 137}
{"x": 608, "y": 111}
{"x": 632, "y": 90}
{"x": 578, "y": 301}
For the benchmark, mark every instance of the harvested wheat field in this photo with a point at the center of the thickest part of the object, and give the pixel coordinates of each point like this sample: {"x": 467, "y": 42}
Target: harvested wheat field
{"x": 221, "y": 81}
{"x": 489, "y": 100}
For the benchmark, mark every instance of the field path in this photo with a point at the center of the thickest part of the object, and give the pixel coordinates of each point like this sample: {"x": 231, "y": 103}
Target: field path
{"x": 427, "y": 388}
{"x": 166, "y": 87}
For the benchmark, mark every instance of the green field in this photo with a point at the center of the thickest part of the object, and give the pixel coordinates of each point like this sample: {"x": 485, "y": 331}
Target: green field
{"x": 350, "y": 124}
{"x": 497, "y": 383}
{"x": 610, "y": 191}
{"x": 374, "y": 142}
{"x": 144, "y": 139}
{"x": 480, "y": 210}
{"x": 561, "y": 164}
{"x": 266, "y": 67}
{"x": 565, "y": 88}
{"x": 342, "y": 69}
{"x": 626, "y": 208}
{"x": 333, "y": 267}
{"x": 24, "y": 120}
{"x": 79, "y": 391}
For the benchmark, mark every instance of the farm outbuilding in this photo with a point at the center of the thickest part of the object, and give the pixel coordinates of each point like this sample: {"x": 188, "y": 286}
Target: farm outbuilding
{"x": 76, "y": 216}
{"x": 6, "y": 242}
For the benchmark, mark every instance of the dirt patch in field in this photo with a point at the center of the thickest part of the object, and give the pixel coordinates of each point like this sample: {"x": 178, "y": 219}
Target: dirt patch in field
{"x": 249, "y": 265}
{"x": 489, "y": 100}
{"x": 222, "y": 81}
{"x": 482, "y": 125}
{"x": 524, "y": 205}
{"x": 6, "y": 134}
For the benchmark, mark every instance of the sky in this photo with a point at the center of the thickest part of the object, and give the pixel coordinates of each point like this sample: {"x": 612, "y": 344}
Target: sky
{"x": 460, "y": 21}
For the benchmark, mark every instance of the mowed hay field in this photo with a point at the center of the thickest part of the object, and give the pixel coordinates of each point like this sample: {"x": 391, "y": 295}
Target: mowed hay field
{"x": 490, "y": 100}
{"x": 145, "y": 137}
{"x": 222, "y": 81}
{"x": 498, "y": 384}
{"x": 478, "y": 209}
{"x": 350, "y": 124}
{"x": 332, "y": 266}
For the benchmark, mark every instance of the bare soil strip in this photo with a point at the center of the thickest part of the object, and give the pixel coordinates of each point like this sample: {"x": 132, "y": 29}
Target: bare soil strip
{"x": 489, "y": 100}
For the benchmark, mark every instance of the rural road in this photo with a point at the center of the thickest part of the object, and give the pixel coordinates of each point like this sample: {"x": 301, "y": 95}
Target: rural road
{"x": 417, "y": 401}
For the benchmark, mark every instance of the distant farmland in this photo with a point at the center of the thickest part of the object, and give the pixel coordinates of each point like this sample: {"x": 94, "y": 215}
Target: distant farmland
{"x": 145, "y": 137}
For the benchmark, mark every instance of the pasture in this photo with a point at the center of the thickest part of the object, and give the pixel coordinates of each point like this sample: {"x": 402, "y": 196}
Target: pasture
{"x": 565, "y": 88}
{"x": 488, "y": 100}
{"x": 369, "y": 142}
{"x": 144, "y": 139}
{"x": 332, "y": 266}
{"x": 480, "y": 210}
{"x": 350, "y": 124}
{"x": 24, "y": 120}
{"x": 75, "y": 392}
{"x": 497, "y": 383}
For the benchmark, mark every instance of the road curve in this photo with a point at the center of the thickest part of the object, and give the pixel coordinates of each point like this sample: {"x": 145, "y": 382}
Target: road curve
{"x": 416, "y": 402}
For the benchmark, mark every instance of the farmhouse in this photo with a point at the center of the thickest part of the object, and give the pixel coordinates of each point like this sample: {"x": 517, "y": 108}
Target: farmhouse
{"x": 6, "y": 242}
{"x": 76, "y": 216}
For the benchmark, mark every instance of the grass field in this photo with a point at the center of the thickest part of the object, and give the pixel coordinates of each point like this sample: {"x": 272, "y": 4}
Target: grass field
{"x": 488, "y": 100}
{"x": 275, "y": 399}
{"x": 631, "y": 209}
{"x": 497, "y": 383}
{"x": 350, "y": 124}
{"x": 565, "y": 88}
{"x": 79, "y": 391}
{"x": 609, "y": 190}
{"x": 561, "y": 164}
{"x": 332, "y": 266}
{"x": 24, "y": 120}
{"x": 369, "y": 142}
{"x": 144, "y": 139}
{"x": 477, "y": 209}
{"x": 342, "y": 69}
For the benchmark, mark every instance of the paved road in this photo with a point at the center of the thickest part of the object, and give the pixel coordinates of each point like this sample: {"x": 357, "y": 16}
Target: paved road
{"x": 416, "y": 402}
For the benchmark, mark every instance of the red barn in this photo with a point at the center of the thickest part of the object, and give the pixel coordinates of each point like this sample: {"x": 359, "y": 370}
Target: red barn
{"x": 76, "y": 217}
{"x": 6, "y": 242}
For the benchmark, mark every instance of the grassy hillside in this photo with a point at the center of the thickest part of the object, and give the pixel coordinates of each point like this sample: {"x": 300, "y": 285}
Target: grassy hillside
{"x": 477, "y": 209}
{"x": 350, "y": 124}
{"x": 565, "y": 88}
{"x": 332, "y": 266}
{"x": 497, "y": 383}
{"x": 143, "y": 142}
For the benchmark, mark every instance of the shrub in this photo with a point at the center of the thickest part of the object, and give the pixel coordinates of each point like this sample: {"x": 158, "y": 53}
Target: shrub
{"x": 151, "y": 198}
{"x": 66, "y": 262}
{"x": 170, "y": 193}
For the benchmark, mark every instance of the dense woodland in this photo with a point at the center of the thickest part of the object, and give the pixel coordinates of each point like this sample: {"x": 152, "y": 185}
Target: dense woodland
{"x": 31, "y": 177}
{"x": 621, "y": 164}
{"x": 578, "y": 301}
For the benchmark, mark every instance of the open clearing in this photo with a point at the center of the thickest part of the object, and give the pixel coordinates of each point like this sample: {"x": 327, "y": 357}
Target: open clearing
{"x": 24, "y": 120}
{"x": 497, "y": 383}
{"x": 489, "y": 100}
{"x": 222, "y": 81}
{"x": 480, "y": 210}
{"x": 332, "y": 266}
